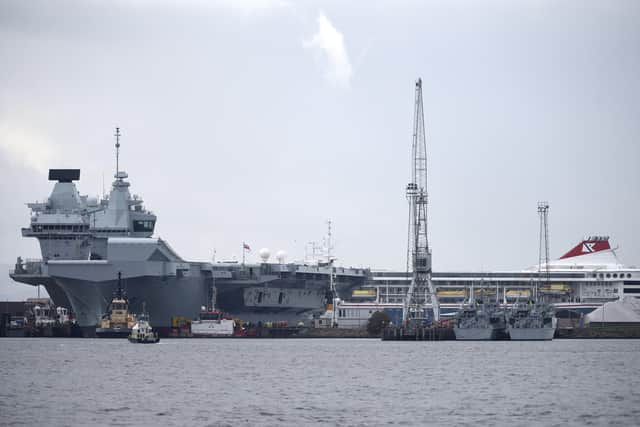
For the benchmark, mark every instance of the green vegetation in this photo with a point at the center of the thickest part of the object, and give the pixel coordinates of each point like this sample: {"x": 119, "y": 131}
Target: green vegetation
{"x": 377, "y": 322}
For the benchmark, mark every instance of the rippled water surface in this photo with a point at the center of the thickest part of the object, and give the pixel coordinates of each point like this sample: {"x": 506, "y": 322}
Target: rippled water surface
{"x": 322, "y": 381}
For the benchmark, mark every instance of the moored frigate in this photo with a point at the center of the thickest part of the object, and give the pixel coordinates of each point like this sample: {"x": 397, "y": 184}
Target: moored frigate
{"x": 531, "y": 322}
{"x": 479, "y": 322}
{"x": 472, "y": 323}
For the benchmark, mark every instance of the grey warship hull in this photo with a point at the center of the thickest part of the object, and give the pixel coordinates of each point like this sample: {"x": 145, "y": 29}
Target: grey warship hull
{"x": 280, "y": 300}
{"x": 171, "y": 287}
{"x": 532, "y": 322}
{"x": 531, "y": 334}
{"x": 281, "y": 292}
{"x": 164, "y": 298}
{"x": 480, "y": 322}
{"x": 151, "y": 273}
{"x": 473, "y": 334}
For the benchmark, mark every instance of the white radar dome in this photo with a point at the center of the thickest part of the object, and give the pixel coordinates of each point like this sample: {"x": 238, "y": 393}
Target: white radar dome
{"x": 264, "y": 254}
{"x": 281, "y": 256}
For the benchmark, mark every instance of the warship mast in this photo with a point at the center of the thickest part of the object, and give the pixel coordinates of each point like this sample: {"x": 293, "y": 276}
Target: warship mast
{"x": 117, "y": 135}
{"x": 421, "y": 290}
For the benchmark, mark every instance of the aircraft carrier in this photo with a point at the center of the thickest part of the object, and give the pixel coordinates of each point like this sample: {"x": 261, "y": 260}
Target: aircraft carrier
{"x": 85, "y": 243}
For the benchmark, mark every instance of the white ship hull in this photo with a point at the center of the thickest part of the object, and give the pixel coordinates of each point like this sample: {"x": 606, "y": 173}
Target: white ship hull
{"x": 212, "y": 328}
{"x": 473, "y": 334}
{"x": 531, "y": 334}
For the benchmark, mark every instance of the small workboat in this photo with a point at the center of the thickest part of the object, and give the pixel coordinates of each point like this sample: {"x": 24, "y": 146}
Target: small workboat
{"x": 212, "y": 323}
{"x": 142, "y": 332}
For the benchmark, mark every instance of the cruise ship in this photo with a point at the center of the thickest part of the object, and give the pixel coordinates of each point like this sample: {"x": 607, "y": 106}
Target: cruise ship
{"x": 583, "y": 279}
{"x": 86, "y": 244}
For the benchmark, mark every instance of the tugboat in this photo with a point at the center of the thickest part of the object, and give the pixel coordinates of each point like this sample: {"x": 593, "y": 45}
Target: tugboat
{"x": 212, "y": 323}
{"x": 142, "y": 332}
{"x": 117, "y": 322}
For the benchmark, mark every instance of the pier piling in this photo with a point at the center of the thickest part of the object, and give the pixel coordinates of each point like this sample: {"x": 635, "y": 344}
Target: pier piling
{"x": 422, "y": 333}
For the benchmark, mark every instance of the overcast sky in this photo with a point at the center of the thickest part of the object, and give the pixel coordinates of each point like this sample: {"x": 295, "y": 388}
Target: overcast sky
{"x": 257, "y": 121}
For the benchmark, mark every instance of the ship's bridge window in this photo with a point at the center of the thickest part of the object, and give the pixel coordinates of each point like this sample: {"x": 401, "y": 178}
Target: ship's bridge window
{"x": 143, "y": 225}
{"x": 209, "y": 316}
{"x": 608, "y": 275}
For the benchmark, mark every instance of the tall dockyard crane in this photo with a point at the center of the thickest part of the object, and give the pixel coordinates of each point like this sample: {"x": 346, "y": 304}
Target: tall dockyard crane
{"x": 421, "y": 290}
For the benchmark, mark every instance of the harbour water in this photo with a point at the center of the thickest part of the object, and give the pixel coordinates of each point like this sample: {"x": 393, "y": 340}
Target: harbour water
{"x": 323, "y": 381}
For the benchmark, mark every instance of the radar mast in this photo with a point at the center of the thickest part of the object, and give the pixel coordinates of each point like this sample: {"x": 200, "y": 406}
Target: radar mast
{"x": 117, "y": 135}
